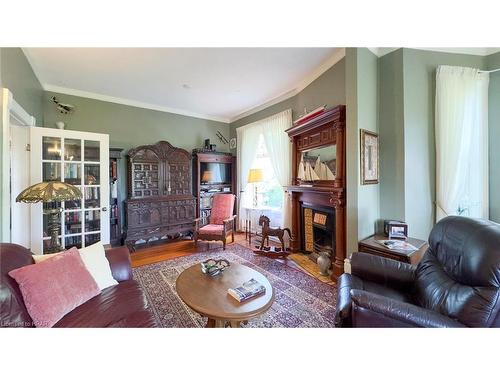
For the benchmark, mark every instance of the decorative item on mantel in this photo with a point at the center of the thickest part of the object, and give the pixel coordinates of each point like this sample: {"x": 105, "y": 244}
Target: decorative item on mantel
{"x": 51, "y": 192}
{"x": 309, "y": 115}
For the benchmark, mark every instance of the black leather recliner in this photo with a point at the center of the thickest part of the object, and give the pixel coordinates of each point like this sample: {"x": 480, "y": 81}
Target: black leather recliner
{"x": 456, "y": 284}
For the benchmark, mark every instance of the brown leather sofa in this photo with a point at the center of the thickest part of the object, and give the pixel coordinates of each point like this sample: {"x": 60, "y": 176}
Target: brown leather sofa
{"x": 122, "y": 305}
{"x": 456, "y": 284}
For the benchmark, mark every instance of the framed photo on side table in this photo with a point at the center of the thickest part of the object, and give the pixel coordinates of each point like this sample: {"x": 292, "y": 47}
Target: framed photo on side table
{"x": 369, "y": 157}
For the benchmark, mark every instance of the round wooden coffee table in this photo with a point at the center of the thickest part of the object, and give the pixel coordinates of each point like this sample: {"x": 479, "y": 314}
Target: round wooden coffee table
{"x": 208, "y": 295}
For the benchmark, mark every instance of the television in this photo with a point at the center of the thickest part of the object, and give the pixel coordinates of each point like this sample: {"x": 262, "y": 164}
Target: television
{"x": 215, "y": 173}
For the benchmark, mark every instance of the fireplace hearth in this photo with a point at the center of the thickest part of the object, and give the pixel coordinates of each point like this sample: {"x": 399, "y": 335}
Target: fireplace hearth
{"x": 318, "y": 230}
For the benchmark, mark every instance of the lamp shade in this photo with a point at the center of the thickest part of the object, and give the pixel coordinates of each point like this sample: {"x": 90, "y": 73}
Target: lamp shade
{"x": 255, "y": 175}
{"x": 51, "y": 191}
{"x": 207, "y": 176}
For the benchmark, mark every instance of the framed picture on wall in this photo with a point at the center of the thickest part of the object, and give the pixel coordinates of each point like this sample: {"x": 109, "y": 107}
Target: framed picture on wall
{"x": 369, "y": 157}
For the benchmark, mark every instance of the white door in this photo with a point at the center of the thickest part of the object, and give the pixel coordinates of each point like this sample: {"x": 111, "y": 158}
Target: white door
{"x": 19, "y": 180}
{"x": 80, "y": 159}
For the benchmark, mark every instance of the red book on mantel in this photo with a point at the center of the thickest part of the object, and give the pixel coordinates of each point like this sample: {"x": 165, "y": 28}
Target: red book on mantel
{"x": 310, "y": 115}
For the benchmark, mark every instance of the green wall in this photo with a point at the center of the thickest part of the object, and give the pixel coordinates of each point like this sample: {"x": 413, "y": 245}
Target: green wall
{"x": 329, "y": 89}
{"x": 363, "y": 201}
{"x": 407, "y": 94}
{"x": 493, "y": 62}
{"x": 129, "y": 126}
{"x": 391, "y": 136}
{"x": 19, "y": 78}
{"x": 17, "y": 75}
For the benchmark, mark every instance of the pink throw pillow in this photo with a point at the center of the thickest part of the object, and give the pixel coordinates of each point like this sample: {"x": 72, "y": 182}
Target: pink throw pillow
{"x": 53, "y": 288}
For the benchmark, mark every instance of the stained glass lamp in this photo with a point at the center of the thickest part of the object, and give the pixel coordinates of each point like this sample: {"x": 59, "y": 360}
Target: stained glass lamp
{"x": 48, "y": 192}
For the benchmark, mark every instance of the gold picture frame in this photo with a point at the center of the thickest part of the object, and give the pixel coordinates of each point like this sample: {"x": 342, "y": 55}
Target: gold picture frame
{"x": 369, "y": 157}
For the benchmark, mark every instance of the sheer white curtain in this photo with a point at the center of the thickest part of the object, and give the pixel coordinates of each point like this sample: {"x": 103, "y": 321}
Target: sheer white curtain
{"x": 247, "y": 140}
{"x": 461, "y": 142}
{"x": 278, "y": 145}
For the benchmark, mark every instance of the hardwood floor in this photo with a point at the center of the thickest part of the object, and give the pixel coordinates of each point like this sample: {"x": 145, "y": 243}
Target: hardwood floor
{"x": 180, "y": 248}
{"x": 166, "y": 251}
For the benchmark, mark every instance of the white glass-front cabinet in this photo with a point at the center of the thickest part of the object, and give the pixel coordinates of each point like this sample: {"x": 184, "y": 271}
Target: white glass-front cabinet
{"x": 80, "y": 159}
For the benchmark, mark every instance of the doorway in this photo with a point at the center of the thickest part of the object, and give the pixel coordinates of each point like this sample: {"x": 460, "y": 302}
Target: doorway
{"x": 15, "y": 169}
{"x": 20, "y": 217}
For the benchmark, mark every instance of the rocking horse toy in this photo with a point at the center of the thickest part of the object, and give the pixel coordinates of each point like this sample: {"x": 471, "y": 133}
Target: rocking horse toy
{"x": 277, "y": 232}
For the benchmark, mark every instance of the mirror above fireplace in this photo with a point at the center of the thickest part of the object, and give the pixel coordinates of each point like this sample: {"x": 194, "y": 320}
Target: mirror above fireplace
{"x": 317, "y": 164}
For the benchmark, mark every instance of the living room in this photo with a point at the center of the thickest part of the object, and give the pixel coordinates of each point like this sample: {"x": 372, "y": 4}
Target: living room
{"x": 179, "y": 186}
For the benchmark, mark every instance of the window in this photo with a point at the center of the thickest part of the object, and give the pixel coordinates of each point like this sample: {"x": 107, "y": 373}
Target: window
{"x": 269, "y": 192}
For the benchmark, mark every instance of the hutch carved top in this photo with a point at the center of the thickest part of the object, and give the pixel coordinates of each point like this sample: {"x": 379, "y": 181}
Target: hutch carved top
{"x": 160, "y": 204}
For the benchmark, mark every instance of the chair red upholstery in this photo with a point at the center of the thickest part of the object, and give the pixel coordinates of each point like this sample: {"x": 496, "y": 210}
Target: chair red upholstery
{"x": 222, "y": 221}
{"x": 222, "y": 208}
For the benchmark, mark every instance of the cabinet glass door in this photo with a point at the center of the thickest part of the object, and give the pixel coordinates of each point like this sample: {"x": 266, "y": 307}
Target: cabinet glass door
{"x": 79, "y": 159}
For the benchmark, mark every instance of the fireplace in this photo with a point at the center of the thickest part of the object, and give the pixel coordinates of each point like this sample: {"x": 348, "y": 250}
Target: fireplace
{"x": 319, "y": 199}
{"x": 317, "y": 229}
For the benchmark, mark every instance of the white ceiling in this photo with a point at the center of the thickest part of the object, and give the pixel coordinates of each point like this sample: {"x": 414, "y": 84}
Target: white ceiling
{"x": 221, "y": 84}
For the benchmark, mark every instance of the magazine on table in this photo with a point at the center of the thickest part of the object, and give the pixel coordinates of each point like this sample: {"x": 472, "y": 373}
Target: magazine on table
{"x": 247, "y": 290}
{"x": 398, "y": 245}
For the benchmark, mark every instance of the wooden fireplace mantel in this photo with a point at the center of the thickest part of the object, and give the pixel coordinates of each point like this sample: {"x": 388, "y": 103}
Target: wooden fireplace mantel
{"x": 324, "y": 130}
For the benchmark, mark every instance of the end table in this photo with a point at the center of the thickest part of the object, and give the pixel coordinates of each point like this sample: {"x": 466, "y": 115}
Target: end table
{"x": 371, "y": 246}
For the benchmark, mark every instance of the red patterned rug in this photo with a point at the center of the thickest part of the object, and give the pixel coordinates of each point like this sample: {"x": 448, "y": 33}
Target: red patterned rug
{"x": 301, "y": 300}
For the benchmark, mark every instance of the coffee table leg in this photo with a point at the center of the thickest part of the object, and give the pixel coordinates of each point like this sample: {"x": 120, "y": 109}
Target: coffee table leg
{"x": 210, "y": 323}
{"x": 215, "y": 323}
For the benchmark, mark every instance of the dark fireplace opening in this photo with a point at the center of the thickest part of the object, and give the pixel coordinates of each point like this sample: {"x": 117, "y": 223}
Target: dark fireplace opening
{"x": 318, "y": 230}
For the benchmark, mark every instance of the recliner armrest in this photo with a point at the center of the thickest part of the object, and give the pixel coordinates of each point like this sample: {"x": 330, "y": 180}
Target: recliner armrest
{"x": 384, "y": 271}
{"x": 396, "y": 311}
{"x": 345, "y": 283}
{"x": 120, "y": 263}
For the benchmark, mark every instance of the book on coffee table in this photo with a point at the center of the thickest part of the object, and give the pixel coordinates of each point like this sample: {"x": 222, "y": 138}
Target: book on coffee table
{"x": 247, "y": 290}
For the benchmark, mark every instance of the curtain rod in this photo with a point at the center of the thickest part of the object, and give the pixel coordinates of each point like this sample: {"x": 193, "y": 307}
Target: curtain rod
{"x": 490, "y": 71}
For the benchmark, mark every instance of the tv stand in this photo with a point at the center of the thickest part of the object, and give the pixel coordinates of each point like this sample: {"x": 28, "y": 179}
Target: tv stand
{"x": 204, "y": 190}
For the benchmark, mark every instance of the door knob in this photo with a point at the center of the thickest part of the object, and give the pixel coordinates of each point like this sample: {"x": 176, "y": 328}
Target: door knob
{"x": 104, "y": 208}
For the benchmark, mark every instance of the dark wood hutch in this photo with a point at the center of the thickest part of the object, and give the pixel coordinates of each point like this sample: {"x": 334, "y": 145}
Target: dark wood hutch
{"x": 160, "y": 204}
{"x": 328, "y": 197}
{"x": 205, "y": 166}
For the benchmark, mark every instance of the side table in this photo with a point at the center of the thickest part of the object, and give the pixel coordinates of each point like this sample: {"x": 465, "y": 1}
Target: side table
{"x": 371, "y": 246}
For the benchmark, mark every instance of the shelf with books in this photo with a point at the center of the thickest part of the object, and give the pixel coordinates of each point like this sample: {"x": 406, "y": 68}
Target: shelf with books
{"x": 115, "y": 227}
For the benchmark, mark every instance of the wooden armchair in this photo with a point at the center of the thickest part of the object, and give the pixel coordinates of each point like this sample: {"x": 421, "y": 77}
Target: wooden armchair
{"x": 222, "y": 221}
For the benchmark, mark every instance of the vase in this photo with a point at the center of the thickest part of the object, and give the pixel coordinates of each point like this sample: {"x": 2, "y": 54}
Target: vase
{"x": 60, "y": 125}
{"x": 324, "y": 263}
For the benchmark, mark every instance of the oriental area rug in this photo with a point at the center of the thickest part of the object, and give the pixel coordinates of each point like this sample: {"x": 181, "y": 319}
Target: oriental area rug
{"x": 300, "y": 299}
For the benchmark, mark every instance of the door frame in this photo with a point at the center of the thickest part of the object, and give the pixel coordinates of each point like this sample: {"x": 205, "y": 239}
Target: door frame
{"x": 9, "y": 108}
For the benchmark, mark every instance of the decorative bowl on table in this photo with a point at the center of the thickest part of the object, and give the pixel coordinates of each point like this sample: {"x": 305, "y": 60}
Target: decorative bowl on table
{"x": 213, "y": 267}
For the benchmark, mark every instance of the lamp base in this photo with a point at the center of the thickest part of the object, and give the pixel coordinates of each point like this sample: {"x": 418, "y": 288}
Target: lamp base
{"x": 53, "y": 228}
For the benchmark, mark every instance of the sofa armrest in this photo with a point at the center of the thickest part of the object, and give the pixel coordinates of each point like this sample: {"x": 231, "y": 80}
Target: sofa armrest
{"x": 383, "y": 271}
{"x": 119, "y": 261}
{"x": 385, "y": 311}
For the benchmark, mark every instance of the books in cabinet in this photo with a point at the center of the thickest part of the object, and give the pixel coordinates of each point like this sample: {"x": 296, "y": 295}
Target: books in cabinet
{"x": 247, "y": 290}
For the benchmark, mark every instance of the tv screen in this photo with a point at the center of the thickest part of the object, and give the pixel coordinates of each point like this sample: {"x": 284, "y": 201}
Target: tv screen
{"x": 215, "y": 173}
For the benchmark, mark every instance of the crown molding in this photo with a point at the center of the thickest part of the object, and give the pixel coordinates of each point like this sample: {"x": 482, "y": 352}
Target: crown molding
{"x": 476, "y": 51}
{"x": 130, "y": 102}
{"x": 327, "y": 64}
